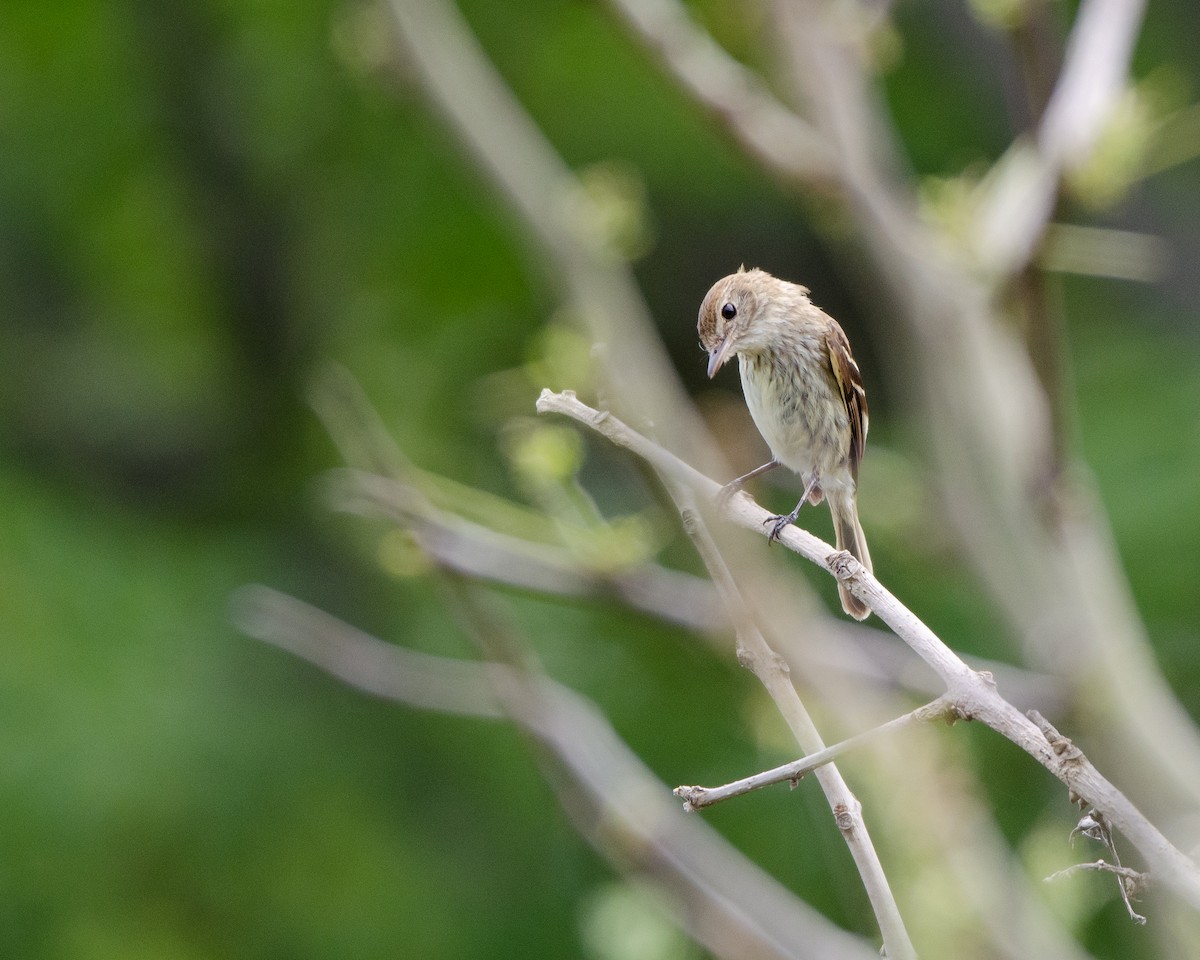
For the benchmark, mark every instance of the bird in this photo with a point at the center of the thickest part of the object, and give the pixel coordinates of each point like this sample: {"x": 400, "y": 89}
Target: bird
{"x": 804, "y": 392}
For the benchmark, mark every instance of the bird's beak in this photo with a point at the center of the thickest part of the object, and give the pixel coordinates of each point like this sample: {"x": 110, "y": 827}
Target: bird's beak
{"x": 717, "y": 358}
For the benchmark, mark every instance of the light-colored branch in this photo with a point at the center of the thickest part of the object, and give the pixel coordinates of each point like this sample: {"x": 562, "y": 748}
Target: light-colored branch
{"x": 728, "y": 904}
{"x": 771, "y": 669}
{"x": 1017, "y": 208}
{"x": 520, "y": 164}
{"x": 762, "y": 124}
{"x": 695, "y": 797}
{"x": 974, "y": 694}
{"x": 359, "y": 659}
{"x": 555, "y": 212}
{"x": 477, "y": 551}
{"x": 1042, "y": 544}
{"x": 1129, "y": 881}
{"x": 745, "y": 513}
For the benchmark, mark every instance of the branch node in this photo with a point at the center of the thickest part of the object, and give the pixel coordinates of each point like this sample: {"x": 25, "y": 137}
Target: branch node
{"x": 843, "y": 565}
{"x": 843, "y": 817}
{"x": 1063, "y": 747}
{"x": 958, "y": 710}
{"x": 753, "y": 659}
{"x": 692, "y": 797}
{"x": 1095, "y": 826}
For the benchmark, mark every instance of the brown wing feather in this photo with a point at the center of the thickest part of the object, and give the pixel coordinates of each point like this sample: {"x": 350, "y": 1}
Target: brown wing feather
{"x": 849, "y": 381}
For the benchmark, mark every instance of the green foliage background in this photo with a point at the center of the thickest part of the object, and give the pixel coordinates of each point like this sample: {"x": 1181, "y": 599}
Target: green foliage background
{"x": 202, "y": 204}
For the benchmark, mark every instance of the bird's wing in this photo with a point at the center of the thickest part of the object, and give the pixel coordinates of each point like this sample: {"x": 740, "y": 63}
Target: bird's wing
{"x": 849, "y": 381}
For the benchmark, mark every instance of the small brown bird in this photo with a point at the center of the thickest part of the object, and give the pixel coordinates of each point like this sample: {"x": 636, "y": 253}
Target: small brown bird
{"x": 804, "y": 392}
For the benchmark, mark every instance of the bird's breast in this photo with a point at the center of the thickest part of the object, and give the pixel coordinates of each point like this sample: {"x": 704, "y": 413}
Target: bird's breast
{"x": 795, "y": 403}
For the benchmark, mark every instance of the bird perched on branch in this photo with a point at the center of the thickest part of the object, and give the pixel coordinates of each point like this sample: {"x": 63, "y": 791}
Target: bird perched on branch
{"x": 804, "y": 392}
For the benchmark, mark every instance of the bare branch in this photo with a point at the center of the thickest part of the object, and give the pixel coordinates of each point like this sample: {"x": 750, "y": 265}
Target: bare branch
{"x": 1017, "y": 208}
{"x": 380, "y": 669}
{"x": 764, "y": 126}
{"x": 974, "y": 694}
{"x": 1129, "y": 881}
{"x": 728, "y": 904}
{"x": 771, "y": 669}
{"x": 478, "y": 551}
{"x": 555, "y": 212}
{"x": 745, "y": 513}
{"x": 694, "y": 798}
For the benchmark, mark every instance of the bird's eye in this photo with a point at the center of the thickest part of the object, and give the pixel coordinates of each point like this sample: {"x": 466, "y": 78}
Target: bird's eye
{"x": 729, "y": 311}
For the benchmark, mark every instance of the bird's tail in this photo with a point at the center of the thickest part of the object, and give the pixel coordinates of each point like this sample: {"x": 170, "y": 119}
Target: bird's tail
{"x": 849, "y": 536}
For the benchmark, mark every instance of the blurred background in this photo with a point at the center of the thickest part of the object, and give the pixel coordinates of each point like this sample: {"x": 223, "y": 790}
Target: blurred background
{"x": 204, "y": 205}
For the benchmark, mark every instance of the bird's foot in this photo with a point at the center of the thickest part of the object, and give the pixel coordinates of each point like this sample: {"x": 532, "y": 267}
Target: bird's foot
{"x": 779, "y": 523}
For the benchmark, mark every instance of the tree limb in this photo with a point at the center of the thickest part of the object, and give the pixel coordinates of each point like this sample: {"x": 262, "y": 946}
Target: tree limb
{"x": 728, "y": 904}
{"x": 974, "y": 693}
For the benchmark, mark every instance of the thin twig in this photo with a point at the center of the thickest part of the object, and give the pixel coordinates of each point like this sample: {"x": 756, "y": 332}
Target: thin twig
{"x": 695, "y": 798}
{"x": 1129, "y": 881}
{"x": 1099, "y": 865}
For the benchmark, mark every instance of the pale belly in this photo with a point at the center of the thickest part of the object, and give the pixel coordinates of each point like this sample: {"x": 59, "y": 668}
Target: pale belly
{"x": 804, "y": 422}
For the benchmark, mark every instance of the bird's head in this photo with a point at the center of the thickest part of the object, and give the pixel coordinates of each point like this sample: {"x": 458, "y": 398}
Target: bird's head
{"x": 730, "y": 313}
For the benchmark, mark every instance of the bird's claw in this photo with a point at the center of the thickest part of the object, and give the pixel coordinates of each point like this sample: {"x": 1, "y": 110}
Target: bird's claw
{"x": 777, "y": 526}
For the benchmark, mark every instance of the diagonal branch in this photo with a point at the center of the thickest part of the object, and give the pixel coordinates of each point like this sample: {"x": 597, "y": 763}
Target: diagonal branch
{"x": 728, "y": 904}
{"x": 975, "y": 694}
{"x": 761, "y": 123}
{"x": 1017, "y": 208}
{"x": 554, "y": 211}
{"x": 694, "y": 798}
{"x": 1054, "y": 569}
{"x": 473, "y": 550}
{"x": 771, "y": 669}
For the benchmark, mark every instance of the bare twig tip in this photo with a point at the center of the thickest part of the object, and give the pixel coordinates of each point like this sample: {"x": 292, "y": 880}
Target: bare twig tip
{"x": 689, "y": 796}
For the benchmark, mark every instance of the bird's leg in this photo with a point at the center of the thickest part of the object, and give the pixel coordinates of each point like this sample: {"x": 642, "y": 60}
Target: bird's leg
{"x": 782, "y": 521}
{"x": 733, "y": 486}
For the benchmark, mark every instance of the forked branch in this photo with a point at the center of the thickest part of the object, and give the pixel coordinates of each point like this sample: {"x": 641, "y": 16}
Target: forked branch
{"x": 974, "y": 692}
{"x": 696, "y": 797}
